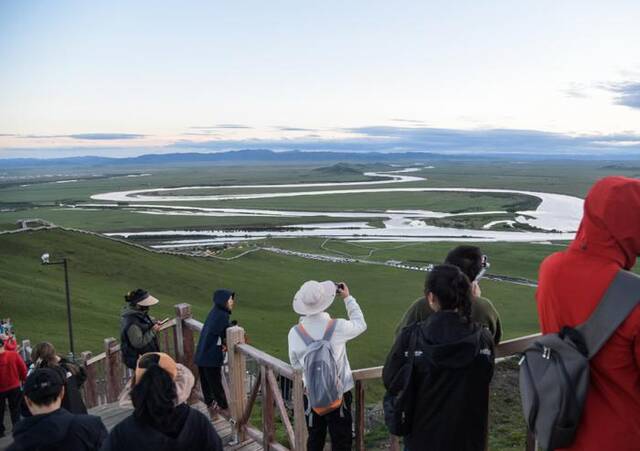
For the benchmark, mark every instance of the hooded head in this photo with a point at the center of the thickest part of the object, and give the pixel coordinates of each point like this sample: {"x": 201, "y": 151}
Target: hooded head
{"x": 610, "y": 225}
{"x": 221, "y": 297}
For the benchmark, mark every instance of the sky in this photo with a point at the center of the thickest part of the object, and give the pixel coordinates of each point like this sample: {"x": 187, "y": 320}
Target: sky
{"x": 125, "y": 78}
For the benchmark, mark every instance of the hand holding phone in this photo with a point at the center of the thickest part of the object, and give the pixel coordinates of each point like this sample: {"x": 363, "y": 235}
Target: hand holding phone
{"x": 342, "y": 290}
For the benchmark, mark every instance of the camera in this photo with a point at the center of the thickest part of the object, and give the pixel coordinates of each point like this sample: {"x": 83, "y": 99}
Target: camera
{"x": 339, "y": 287}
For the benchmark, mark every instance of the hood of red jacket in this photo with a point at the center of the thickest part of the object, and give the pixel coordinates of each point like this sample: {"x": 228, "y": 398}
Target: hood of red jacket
{"x": 610, "y": 226}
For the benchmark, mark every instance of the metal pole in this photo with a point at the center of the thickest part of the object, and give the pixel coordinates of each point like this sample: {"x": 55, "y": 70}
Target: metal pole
{"x": 66, "y": 285}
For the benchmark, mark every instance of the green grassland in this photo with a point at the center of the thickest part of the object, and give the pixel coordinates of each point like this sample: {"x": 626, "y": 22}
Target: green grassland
{"x": 450, "y": 202}
{"x": 102, "y": 270}
{"x": 509, "y": 259}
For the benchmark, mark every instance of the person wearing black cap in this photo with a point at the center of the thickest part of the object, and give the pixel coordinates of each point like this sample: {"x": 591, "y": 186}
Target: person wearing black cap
{"x": 51, "y": 427}
{"x": 138, "y": 330}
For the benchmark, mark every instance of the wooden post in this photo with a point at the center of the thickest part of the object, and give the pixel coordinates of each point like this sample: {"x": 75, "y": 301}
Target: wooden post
{"x": 113, "y": 369}
{"x": 359, "y": 415}
{"x": 184, "y": 339}
{"x": 268, "y": 412}
{"x": 237, "y": 369}
{"x": 89, "y": 386}
{"x": 299, "y": 420}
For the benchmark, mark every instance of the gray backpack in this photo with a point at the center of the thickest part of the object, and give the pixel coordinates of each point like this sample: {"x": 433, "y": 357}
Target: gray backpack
{"x": 323, "y": 384}
{"x": 554, "y": 370}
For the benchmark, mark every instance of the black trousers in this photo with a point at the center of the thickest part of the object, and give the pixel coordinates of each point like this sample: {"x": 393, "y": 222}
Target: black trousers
{"x": 14, "y": 398}
{"x": 212, "y": 389}
{"x": 339, "y": 422}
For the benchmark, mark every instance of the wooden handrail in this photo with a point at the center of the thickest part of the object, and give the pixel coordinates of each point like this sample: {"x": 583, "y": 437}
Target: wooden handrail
{"x": 262, "y": 358}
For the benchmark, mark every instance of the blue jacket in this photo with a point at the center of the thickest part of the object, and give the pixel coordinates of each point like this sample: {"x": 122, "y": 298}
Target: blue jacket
{"x": 209, "y": 352}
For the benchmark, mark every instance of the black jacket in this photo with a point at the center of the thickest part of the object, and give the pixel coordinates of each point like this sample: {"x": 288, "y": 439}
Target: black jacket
{"x": 59, "y": 431}
{"x": 191, "y": 431}
{"x": 130, "y": 353}
{"x": 451, "y": 383}
{"x": 209, "y": 352}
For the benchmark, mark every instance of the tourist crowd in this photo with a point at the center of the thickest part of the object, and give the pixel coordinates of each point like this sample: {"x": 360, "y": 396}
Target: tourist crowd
{"x": 437, "y": 373}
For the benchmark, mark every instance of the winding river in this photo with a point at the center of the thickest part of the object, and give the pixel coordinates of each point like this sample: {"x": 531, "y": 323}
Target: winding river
{"x": 556, "y": 217}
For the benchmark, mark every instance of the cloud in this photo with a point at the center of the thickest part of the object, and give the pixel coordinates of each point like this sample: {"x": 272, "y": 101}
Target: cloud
{"x": 219, "y": 126}
{"x": 627, "y": 93}
{"x": 295, "y": 129}
{"x": 8, "y": 134}
{"x": 408, "y": 121}
{"x": 89, "y": 136}
{"x": 106, "y": 136}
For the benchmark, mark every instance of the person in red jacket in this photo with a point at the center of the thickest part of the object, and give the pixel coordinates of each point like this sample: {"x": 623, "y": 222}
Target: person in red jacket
{"x": 571, "y": 284}
{"x": 13, "y": 372}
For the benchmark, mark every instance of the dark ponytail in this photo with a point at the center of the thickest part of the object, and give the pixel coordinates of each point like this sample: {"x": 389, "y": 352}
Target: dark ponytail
{"x": 153, "y": 397}
{"x": 451, "y": 287}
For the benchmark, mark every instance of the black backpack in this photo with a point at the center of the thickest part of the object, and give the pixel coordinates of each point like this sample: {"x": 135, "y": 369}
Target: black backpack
{"x": 554, "y": 370}
{"x": 399, "y": 399}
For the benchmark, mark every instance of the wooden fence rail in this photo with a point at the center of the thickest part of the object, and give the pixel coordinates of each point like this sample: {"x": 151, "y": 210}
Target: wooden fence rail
{"x": 107, "y": 376}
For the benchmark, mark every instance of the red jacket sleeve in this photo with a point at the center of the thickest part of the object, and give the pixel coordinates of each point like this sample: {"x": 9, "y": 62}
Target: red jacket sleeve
{"x": 22, "y": 368}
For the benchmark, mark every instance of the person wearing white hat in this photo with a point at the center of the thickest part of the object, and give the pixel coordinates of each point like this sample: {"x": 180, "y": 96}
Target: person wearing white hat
{"x": 311, "y": 301}
{"x": 138, "y": 330}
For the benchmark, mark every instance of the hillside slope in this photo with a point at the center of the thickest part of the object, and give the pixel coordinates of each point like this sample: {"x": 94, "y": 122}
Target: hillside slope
{"x": 102, "y": 270}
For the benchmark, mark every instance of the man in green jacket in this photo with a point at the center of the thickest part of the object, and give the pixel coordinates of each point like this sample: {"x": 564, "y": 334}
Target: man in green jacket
{"x": 472, "y": 263}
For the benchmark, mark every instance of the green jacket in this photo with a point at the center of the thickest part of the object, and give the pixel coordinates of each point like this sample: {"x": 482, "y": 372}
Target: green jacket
{"x": 482, "y": 312}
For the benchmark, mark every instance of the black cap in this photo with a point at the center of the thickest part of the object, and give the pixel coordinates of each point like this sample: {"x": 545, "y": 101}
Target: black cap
{"x": 43, "y": 383}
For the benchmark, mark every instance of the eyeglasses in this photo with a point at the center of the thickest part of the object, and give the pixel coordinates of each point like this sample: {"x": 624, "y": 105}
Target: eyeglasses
{"x": 485, "y": 265}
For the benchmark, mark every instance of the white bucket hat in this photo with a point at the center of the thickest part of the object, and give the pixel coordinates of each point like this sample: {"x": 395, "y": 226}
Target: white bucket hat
{"x": 314, "y": 297}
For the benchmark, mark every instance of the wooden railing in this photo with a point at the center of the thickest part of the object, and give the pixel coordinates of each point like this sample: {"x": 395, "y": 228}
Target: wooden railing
{"x": 107, "y": 376}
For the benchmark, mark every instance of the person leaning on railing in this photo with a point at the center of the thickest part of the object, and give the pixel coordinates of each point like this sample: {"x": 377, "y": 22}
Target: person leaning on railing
{"x": 210, "y": 351}
{"x": 471, "y": 261}
{"x": 138, "y": 333}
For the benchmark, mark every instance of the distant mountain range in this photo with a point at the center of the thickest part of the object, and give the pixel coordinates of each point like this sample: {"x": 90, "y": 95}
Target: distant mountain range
{"x": 232, "y": 157}
{"x": 263, "y": 156}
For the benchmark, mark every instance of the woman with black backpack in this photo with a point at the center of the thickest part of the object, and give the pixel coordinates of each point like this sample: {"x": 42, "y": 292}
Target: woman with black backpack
{"x": 449, "y": 372}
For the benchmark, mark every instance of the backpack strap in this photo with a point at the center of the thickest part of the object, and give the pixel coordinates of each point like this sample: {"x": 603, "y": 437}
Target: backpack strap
{"x": 618, "y": 302}
{"x": 302, "y": 332}
{"x": 331, "y": 328}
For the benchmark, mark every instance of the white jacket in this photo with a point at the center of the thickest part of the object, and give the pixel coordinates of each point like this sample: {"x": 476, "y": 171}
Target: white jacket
{"x": 345, "y": 330}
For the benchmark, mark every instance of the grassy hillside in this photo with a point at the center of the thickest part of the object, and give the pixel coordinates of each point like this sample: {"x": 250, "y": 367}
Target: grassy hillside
{"x": 101, "y": 271}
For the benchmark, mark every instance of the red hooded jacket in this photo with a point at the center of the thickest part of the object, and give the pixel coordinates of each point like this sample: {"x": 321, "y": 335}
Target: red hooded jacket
{"x": 570, "y": 285}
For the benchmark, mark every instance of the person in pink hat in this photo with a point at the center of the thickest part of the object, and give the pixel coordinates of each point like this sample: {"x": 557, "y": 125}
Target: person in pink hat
{"x": 315, "y": 327}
